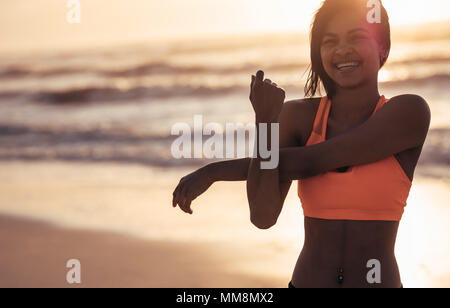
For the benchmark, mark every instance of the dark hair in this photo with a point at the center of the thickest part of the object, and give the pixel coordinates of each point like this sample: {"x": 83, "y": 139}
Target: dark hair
{"x": 328, "y": 9}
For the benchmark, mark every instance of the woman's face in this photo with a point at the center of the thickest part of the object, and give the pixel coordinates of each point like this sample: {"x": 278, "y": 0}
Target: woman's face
{"x": 350, "y": 53}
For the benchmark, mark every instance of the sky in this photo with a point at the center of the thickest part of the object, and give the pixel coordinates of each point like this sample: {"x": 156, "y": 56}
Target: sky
{"x": 26, "y": 25}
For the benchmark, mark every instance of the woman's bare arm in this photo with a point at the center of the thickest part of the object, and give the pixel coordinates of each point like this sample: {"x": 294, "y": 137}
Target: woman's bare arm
{"x": 196, "y": 183}
{"x": 401, "y": 124}
{"x": 229, "y": 170}
{"x": 266, "y": 190}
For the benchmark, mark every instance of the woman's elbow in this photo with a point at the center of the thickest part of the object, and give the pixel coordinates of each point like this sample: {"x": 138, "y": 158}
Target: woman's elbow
{"x": 263, "y": 221}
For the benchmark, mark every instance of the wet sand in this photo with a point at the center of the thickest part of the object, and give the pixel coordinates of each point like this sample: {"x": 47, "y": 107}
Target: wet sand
{"x": 119, "y": 222}
{"x": 35, "y": 254}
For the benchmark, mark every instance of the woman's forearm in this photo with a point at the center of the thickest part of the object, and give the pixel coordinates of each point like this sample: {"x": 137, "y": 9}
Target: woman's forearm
{"x": 230, "y": 170}
{"x": 263, "y": 187}
{"x": 295, "y": 163}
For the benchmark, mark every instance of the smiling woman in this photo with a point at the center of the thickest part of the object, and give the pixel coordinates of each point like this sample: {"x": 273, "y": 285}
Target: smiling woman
{"x": 352, "y": 151}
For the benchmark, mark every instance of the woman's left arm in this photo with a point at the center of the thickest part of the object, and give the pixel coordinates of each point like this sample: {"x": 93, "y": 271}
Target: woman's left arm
{"x": 401, "y": 124}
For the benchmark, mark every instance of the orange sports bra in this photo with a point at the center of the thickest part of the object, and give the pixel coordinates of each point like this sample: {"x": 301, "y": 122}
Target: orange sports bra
{"x": 375, "y": 191}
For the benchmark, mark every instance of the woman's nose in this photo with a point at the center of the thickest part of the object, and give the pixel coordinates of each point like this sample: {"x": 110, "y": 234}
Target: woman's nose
{"x": 343, "y": 50}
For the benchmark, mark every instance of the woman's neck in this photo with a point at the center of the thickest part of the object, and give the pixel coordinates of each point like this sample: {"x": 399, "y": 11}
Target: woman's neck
{"x": 354, "y": 104}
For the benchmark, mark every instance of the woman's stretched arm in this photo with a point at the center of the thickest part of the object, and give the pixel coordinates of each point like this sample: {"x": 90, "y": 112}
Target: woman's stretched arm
{"x": 193, "y": 185}
{"x": 196, "y": 183}
{"x": 401, "y": 124}
{"x": 229, "y": 170}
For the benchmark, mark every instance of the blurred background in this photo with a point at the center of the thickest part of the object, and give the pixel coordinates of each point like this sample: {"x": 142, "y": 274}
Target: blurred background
{"x": 86, "y": 111}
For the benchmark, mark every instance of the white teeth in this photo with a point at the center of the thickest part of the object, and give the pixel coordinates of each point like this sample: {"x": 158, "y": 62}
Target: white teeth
{"x": 349, "y": 64}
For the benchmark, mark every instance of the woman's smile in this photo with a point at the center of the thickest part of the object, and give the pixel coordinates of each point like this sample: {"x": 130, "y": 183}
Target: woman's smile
{"x": 346, "y": 68}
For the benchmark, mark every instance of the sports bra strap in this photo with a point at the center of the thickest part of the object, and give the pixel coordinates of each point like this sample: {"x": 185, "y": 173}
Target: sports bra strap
{"x": 321, "y": 119}
{"x": 322, "y": 114}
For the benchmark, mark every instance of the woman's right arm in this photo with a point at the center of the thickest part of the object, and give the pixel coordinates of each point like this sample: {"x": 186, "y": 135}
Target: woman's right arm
{"x": 196, "y": 183}
{"x": 193, "y": 185}
{"x": 230, "y": 170}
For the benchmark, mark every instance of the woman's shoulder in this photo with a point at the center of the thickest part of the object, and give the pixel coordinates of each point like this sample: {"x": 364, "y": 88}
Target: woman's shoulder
{"x": 415, "y": 106}
{"x": 409, "y": 98}
{"x": 299, "y": 114}
{"x": 301, "y": 109}
{"x": 302, "y": 104}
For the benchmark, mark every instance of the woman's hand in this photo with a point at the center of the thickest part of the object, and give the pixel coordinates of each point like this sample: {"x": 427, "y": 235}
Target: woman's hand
{"x": 267, "y": 98}
{"x": 190, "y": 187}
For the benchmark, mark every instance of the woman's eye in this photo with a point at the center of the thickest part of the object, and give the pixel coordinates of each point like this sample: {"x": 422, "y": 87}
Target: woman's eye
{"x": 358, "y": 37}
{"x": 327, "y": 42}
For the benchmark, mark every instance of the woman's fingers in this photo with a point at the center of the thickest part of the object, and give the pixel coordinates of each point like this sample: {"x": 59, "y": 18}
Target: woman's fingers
{"x": 181, "y": 195}
{"x": 182, "y": 202}
{"x": 178, "y": 198}
{"x": 181, "y": 199}
{"x": 185, "y": 199}
{"x": 178, "y": 193}
{"x": 270, "y": 82}
{"x": 175, "y": 196}
{"x": 260, "y": 75}
{"x": 174, "y": 202}
{"x": 187, "y": 206}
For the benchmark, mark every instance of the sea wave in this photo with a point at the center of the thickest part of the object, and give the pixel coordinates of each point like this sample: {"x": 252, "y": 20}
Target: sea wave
{"x": 146, "y": 69}
{"x": 114, "y": 94}
{"x": 436, "y": 79}
{"x": 162, "y": 67}
{"x": 110, "y": 94}
{"x": 21, "y": 142}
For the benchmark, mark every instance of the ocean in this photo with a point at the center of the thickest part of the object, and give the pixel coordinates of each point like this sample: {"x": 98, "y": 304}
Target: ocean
{"x": 85, "y": 142}
{"x": 119, "y": 104}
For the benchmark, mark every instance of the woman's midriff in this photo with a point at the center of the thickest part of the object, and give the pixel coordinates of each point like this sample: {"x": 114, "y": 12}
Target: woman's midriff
{"x": 341, "y": 254}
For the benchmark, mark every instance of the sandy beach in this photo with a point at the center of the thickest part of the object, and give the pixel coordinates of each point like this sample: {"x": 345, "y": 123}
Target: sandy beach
{"x": 118, "y": 221}
{"x": 35, "y": 254}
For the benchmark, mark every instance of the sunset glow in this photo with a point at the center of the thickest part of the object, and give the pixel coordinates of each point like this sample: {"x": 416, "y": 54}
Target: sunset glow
{"x": 42, "y": 24}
